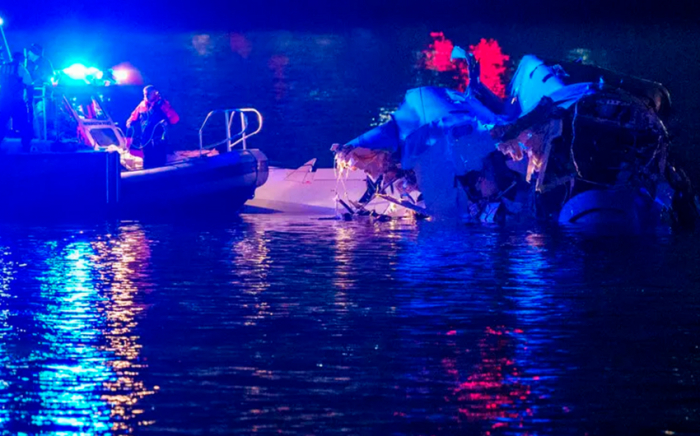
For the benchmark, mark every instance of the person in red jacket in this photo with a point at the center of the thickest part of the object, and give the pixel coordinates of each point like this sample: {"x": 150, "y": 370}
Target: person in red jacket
{"x": 149, "y": 119}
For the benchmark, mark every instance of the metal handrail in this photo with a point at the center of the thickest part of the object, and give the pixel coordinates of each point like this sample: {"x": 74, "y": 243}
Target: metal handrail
{"x": 39, "y": 94}
{"x": 229, "y": 115}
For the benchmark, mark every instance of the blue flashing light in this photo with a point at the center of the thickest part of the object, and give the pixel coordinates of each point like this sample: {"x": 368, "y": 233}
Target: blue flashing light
{"x": 81, "y": 72}
{"x": 76, "y": 71}
{"x": 2, "y": 21}
{"x": 94, "y": 72}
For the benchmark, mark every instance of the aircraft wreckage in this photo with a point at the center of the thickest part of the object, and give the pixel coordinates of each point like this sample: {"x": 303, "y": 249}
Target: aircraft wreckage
{"x": 570, "y": 142}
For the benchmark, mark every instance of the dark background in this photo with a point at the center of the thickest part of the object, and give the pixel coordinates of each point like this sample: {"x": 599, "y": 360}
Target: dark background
{"x": 265, "y": 14}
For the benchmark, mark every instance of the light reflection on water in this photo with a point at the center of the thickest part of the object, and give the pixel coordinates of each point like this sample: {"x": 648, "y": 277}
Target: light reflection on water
{"x": 121, "y": 261}
{"x": 300, "y": 326}
{"x": 70, "y": 353}
{"x": 71, "y": 367}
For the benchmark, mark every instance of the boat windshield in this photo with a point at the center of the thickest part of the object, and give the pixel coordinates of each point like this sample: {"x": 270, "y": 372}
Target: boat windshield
{"x": 88, "y": 108}
{"x": 104, "y": 137}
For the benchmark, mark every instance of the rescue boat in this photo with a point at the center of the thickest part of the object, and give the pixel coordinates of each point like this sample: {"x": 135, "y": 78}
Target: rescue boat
{"x": 89, "y": 167}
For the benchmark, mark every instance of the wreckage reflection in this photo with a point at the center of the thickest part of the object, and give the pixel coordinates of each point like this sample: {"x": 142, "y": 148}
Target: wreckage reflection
{"x": 350, "y": 243}
{"x": 345, "y": 244}
{"x": 506, "y": 389}
{"x": 76, "y": 369}
{"x": 496, "y": 341}
{"x": 493, "y": 390}
{"x": 250, "y": 257}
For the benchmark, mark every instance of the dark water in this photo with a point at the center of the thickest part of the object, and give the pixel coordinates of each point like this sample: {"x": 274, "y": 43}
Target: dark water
{"x": 299, "y": 326}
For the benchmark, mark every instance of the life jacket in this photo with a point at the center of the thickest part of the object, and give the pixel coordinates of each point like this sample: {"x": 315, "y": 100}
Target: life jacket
{"x": 149, "y": 116}
{"x": 152, "y": 115}
{"x": 11, "y": 86}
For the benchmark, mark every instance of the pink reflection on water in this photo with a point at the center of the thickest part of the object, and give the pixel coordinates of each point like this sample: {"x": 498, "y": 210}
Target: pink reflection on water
{"x": 240, "y": 44}
{"x": 278, "y": 65}
{"x": 202, "y": 44}
{"x": 494, "y": 391}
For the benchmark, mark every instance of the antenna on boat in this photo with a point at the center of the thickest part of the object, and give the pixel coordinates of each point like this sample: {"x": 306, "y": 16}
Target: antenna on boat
{"x": 6, "y": 46}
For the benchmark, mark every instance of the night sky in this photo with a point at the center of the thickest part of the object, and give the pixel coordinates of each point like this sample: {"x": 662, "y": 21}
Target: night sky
{"x": 331, "y": 14}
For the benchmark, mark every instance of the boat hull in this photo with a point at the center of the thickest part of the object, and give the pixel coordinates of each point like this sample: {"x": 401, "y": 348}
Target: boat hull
{"x": 305, "y": 191}
{"x": 92, "y": 184}
{"x": 221, "y": 183}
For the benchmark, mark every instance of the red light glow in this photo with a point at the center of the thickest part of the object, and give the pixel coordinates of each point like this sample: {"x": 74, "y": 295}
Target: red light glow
{"x": 487, "y": 52}
{"x": 493, "y": 65}
{"x": 493, "y": 391}
{"x": 439, "y": 53}
{"x": 127, "y": 74}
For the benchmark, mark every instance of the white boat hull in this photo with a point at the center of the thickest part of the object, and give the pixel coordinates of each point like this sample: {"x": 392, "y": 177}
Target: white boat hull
{"x": 305, "y": 191}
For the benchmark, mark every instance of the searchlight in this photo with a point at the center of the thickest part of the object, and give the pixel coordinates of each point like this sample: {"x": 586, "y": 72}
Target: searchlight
{"x": 76, "y": 72}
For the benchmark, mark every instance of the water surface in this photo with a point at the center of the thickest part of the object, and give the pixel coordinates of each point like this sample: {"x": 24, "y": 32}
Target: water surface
{"x": 302, "y": 326}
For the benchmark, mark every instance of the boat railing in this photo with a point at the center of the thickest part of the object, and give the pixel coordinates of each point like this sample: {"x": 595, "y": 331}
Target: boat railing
{"x": 40, "y": 109}
{"x": 230, "y": 116}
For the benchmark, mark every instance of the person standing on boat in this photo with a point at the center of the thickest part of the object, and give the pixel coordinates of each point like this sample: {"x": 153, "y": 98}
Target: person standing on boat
{"x": 149, "y": 119}
{"x": 39, "y": 67}
{"x": 42, "y": 72}
{"x": 14, "y": 81}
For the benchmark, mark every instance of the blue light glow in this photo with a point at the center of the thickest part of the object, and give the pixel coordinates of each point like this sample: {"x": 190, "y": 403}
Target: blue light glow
{"x": 7, "y": 273}
{"x": 81, "y": 72}
{"x": 74, "y": 371}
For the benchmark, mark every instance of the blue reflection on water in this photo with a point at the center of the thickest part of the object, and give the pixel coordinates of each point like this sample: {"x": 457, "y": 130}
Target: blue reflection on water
{"x": 7, "y": 272}
{"x": 271, "y": 324}
{"x": 69, "y": 354}
{"x": 492, "y": 335}
{"x": 73, "y": 366}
